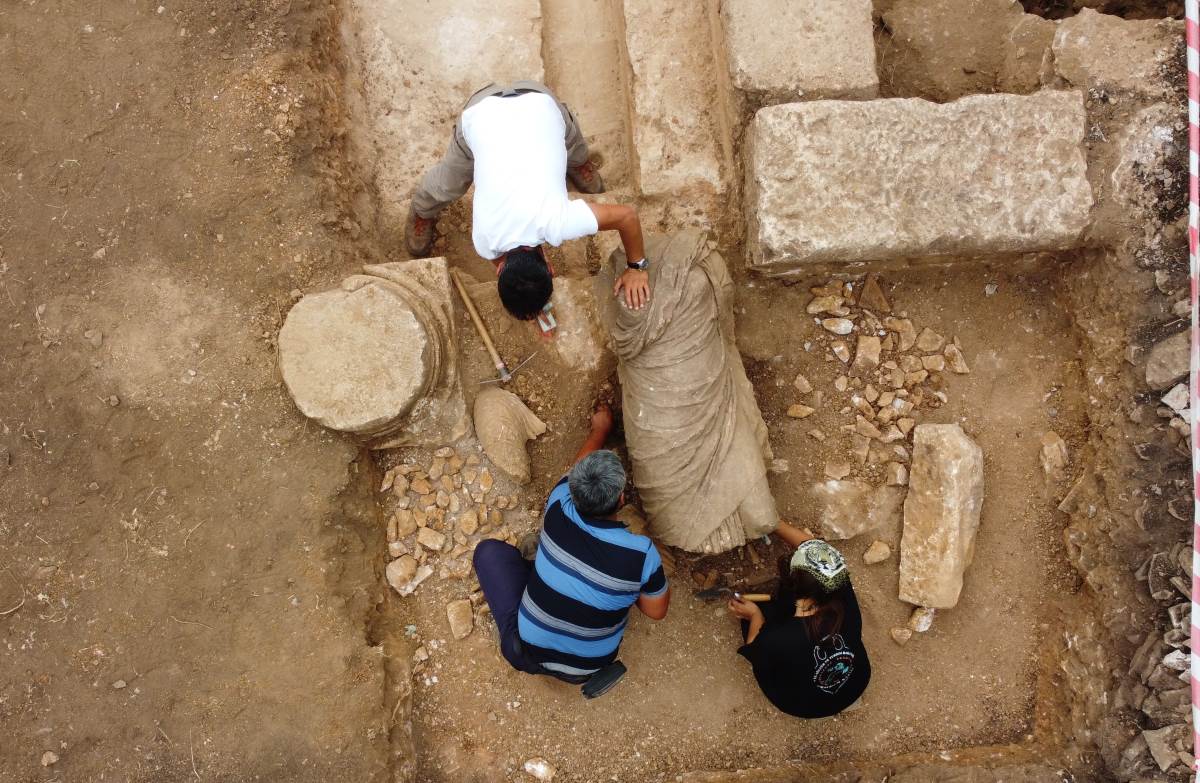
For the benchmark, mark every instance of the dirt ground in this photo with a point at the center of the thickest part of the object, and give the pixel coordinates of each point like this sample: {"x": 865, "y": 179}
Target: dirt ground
{"x": 191, "y": 576}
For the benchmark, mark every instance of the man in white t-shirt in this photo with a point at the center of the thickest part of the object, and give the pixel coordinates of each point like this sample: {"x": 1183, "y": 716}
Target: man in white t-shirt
{"x": 519, "y": 144}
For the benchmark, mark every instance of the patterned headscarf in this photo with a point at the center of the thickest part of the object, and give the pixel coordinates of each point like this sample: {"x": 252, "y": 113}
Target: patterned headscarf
{"x": 823, "y": 562}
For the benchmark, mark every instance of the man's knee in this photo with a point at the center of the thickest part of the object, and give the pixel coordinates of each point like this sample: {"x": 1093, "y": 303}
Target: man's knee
{"x": 488, "y": 550}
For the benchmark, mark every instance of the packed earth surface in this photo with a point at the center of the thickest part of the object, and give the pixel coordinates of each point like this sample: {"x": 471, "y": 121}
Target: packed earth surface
{"x": 197, "y": 582}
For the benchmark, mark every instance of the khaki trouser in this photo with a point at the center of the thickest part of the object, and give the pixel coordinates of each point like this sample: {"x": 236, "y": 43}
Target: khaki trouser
{"x": 449, "y": 179}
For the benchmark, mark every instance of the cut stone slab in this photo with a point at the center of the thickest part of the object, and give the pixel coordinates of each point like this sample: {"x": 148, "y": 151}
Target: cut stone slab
{"x": 984, "y": 174}
{"x": 1169, "y": 361}
{"x": 787, "y": 50}
{"x": 941, "y": 515}
{"x": 681, "y": 134}
{"x": 850, "y": 508}
{"x": 1104, "y": 52}
{"x": 418, "y": 67}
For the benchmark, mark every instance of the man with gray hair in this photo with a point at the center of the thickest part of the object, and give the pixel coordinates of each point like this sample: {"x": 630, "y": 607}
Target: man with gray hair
{"x": 564, "y": 613}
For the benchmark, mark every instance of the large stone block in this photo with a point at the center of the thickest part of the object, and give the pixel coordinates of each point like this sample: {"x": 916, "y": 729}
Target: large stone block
{"x": 941, "y": 515}
{"x": 1099, "y": 51}
{"x": 843, "y": 181}
{"x": 680, "y": 127}
{"x": 787, "y": 50}
{"x": 416, "y": 67}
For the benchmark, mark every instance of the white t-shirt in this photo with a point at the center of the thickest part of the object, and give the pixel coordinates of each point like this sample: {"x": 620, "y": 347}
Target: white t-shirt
{"x": 520, "y": 151}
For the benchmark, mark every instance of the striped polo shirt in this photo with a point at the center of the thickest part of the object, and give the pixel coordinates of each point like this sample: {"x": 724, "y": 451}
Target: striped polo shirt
{"x": 587, "y": 574}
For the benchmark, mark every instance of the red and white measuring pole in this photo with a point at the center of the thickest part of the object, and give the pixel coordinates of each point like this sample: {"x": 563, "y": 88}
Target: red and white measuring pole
{"x": 1193, "y": 68}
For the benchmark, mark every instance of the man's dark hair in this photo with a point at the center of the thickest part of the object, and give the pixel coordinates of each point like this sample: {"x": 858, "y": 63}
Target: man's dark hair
{"x": 525, "y": 283}
{"x": 596, "y": 484}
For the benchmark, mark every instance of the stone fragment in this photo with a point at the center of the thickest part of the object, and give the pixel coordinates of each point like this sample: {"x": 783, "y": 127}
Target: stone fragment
{"x": 431, "y": 539}
{"x": 1178, "y": 398}
{"x": 866, "y": 355}
{"x": 877, "y": 552}
{"x": 941, "y": 515}
{"x": 906, "y": 425}
{"x": 1054, "y": 454}
{"x": 504, "y": 425}
{"x": 914, "y": 378}
{"x": 396, "y": 549}
{"x": 921, "y": 619}
{"x": 1169, "y": 361}
{"x": 1095, "y": 51}
{"x": 849, "y": 508}
{"x": 826, "y": 304}
{"x": 897, "y": 475}
{"x": 841, "y": 383}
{"x": 1162, "y": 744}
{"x": 837, "y": 470}
{"x": 461, "y": 618}
{"x": 802, "y": 385}
{"x": 904, "y": 329}
{"x": 442, "y": 499}
{"x": 49, "y": 758}
{"x": 540, "y": 769}
{"x": 400, "y": 572}
{"x": 934, "y": 363}
{"x": 421, "y": 486}
{"x": 94, "y": 336}
{"x": 436, "y": 468}
{"x": 871, "y": 393}
{"x": 841, "y": 351}
{"x": 929, "y": 340}
{"x": 468, "y": 523}
{"x": 799, "y": 411}
{"x": 1027, "y": 56}
{"x": 839, "y": 326}
{"x": 816, "y": 435}
{"x": 872, "y": 297}
{"x": 955, "y": 360}
{"x": 786, "y": 50}
{"x": 485, "y": 481}
{"x": 901, "y": 636}
{"x": 866, "y": 428}
{"x": 972, "y": 172}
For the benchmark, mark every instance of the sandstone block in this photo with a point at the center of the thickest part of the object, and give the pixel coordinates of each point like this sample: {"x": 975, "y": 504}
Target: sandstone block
{"x": 1099, "y": 51}
{"x": 787, "y": 50}
{"x": 680, "y": 133}
{"x": 941, "y": 515}
{"x": 417, "y": 67}
{"x": 843, "y": 181}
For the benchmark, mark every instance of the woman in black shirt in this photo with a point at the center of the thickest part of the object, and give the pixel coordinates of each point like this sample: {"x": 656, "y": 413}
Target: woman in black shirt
{"x": 806, "y": 644}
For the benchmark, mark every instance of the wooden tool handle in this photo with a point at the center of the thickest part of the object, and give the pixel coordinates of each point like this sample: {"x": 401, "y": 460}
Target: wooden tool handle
{"x": 757, "y": 598}
{"x": 479, "y": 326}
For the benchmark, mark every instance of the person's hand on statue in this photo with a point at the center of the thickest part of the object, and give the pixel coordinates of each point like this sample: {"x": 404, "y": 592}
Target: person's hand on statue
{"x": 636, "y": 283}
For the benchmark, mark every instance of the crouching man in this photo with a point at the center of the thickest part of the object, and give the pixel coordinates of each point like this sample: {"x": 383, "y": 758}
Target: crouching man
{"x": 564, "y": 613}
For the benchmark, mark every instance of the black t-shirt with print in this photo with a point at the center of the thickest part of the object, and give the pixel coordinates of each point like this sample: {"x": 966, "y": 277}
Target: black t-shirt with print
{"x": 807, "y": 679}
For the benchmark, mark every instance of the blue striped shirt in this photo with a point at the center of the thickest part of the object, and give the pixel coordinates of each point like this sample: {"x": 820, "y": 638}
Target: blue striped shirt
{"x": 587, "y": 574}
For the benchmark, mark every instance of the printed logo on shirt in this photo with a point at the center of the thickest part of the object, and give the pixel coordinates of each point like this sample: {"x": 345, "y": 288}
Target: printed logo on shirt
{"x": 834, "y": 663}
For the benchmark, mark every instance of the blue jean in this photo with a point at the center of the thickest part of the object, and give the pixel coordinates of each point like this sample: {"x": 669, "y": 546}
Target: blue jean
{"x": 503, "y": 574}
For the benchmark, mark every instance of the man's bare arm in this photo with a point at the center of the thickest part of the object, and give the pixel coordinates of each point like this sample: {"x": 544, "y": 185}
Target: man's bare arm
{"x": 623, "y": 219}
{"x": 655, "y": 608}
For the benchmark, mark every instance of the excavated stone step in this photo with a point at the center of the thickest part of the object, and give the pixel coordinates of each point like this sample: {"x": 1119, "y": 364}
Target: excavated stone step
{"x": 787, "y": 50}
{"x": 680, "y": 133}
{"x": 846, "y": 181}
{"x": 418, "y": 65}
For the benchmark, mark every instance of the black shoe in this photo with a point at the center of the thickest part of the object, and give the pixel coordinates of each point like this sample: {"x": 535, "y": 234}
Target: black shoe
{"x": 603, "y": 681}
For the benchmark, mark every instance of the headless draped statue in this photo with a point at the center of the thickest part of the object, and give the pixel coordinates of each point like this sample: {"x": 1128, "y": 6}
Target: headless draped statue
{"x": 695, "y": 435}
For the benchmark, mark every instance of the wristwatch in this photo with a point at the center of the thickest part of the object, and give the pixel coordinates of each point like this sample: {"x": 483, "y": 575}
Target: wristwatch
{"x": 640, "y": 265}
